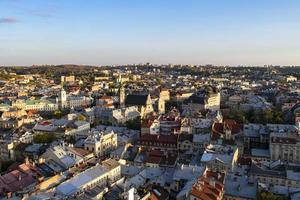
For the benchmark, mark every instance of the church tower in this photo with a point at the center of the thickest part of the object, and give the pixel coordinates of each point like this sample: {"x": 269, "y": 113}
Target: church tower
{"x": 164, "y": 95}
{"x": 122, "y": 96}
{"x": 62, "y": 98}
{"x": 161, "y": 106}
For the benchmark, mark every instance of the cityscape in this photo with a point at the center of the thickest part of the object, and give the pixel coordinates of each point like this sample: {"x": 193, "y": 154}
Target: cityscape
{"x": 77, "y": 124}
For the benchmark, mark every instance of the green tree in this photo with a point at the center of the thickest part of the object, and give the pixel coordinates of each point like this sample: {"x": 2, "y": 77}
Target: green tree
{"x": 57, "y": 114}
{"x": 270, "y": 196}
{"x": 44, "y": 138}
{"x": 134, "y": 124}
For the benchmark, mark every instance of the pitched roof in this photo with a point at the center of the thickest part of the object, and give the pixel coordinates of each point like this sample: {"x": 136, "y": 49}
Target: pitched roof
{"x": 210, "y": 186}
{"x": 136, "y": 99}
{"x": 17, "y": 179}
{"x": 167, "y": 139}
{"x": 218, "y": 129}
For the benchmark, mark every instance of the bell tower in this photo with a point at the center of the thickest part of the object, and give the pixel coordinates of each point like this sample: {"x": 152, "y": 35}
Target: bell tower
{"x": 122, "y": 96}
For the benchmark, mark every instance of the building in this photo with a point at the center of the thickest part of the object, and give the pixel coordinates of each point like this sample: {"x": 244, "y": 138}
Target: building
{"x": 58, "y": 158}
{"x": 227, "y": 130}
{"x": 100, "y": 176}
{"x": 284, "y": 143}
{"x": 205, "y": 98}
{"x": 220, "y": 158}
{"x": 62, "y": 99}
{"x": 41, "y": 105}
{"x": 239, "y": 187}
{"x": 256, "y": 136}
{"x": 291, "y": 79}
{"x": 150, "y": 126}
{"x": 20, "y": 180}
{"x": 209, "y": 186}
{"x": 159, "y": 141}
{"x": 105, "y": 102}
{"x": 101, "y": 143}
{"x": 169, "y": 124}
{"x": 75, "y": 101}
{"x": 275, "y": 174}
{"x": 164, "y": 95}
{"x": 185, "y": 142}
{"x": 77, "y": 128}
{"x": 142, "y": 101}
{"x": 122, "y": 96}
{"x": 122, "y": 115}
{"x": 64, "y": 79}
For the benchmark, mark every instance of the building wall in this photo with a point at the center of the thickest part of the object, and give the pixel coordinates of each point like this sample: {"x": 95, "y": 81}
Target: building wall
{"x": 213, "y": 102}
{"x": 104, "y": 146}
{"x": 285, "y": 152}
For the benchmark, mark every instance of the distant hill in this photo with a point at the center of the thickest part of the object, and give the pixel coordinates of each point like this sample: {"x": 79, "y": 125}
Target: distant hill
{"x": 52, "y": 69}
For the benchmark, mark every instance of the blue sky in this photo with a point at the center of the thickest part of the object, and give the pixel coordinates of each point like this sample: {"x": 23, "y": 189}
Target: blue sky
{"x": 100, "y": 32}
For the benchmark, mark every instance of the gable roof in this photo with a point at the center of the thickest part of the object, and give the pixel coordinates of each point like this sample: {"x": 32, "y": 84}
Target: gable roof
{"x": 136, "y": 99}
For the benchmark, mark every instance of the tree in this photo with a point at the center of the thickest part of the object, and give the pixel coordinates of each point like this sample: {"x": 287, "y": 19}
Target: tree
{"x": 57, "y": 114}
{"x": 134, "y": 124}
{"x": 44, "y": 138}
{"x": 5, "y": 164}
{"x": 270, "y": 196}
{"x": 268, "y": 116}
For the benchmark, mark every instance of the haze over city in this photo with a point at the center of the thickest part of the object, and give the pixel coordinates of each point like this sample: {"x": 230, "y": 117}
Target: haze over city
{"x": 257, "y": 32}
{"x": 149, "y": 100}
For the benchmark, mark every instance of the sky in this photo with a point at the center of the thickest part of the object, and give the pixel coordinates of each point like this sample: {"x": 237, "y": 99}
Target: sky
{"x": 107, "y": 32}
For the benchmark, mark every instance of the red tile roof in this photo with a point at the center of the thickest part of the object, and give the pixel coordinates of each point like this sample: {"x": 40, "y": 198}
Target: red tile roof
{"x": 166, "y": 139}
{"x": 218, "y": 129}
{"x": 210, "y": 186}
{"x": 17, "y": 179}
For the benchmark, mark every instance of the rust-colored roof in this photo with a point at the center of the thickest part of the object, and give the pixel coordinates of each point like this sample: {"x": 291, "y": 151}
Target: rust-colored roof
{"x": 218, "y": 129}
{"x": 202, "y": 189}
{"x": 17, "y": 179}
{"x": 166, "y": 139}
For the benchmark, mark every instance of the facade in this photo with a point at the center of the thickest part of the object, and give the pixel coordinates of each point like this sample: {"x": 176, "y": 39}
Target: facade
{"x": 122, "y": 96}
{"x": 122, "y": 115}
{"x": 105, "y": 102}
{"x": 159, "y": 141}
{"x": 206, "y": 98}
{"x": 67, "y": 79}
{"x": 169, "y": 124}
{"x": 164, "y": 95}
{"x": 41, "y": 105}
{"x": 78, "y": 128}
{"x": 291, "y": 79}
{"x": 142, "y": 101}
{"x": 220, "y": 158}
{"x": 226, "y": 130}
{"x": 276, "y": 174}
{"x": 185, "y": 142}
{"x": 256, "y": 136}
{"x": 66, "y": 101}
{"x": 284, "y": 143}
{"x": 101, "y": 143}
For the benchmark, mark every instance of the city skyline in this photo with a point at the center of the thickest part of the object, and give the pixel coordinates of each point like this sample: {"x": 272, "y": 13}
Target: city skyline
{"x": 125, "y": 32}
